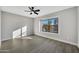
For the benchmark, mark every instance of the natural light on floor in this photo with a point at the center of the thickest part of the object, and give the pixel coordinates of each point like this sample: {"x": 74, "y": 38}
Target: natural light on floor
{"x": 20, "y": 32}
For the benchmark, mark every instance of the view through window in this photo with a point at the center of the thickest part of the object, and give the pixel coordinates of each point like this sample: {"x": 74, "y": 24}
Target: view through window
{"x": 49, "y": 25}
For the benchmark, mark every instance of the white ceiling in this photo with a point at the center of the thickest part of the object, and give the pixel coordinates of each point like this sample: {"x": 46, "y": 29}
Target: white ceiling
{"x": 44, "y": 10}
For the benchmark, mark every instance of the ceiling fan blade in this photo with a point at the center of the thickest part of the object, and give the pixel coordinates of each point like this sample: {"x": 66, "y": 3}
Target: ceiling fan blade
{"x": 36, "y": 13}
{"x": 32, "y": 7}
{"x": 37, "y": 10}
{"x": 27, "y": 11}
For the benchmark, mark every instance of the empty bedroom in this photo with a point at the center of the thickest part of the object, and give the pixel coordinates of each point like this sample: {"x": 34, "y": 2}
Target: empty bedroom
{"x": 39, "y": 29}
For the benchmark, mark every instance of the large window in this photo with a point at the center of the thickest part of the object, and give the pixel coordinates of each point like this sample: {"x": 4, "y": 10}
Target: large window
{"x": 49, "y": 25}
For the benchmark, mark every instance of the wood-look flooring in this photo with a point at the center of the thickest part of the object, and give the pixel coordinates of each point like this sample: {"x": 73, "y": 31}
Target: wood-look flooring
{"x": 36, "y": 44}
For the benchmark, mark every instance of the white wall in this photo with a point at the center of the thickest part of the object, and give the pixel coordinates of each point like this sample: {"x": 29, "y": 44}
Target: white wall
{"x": 78, "y": 24}
{"x": 0, "y": 27}
{"x": 12, "y": 22}
{"x": 67, "y": 26}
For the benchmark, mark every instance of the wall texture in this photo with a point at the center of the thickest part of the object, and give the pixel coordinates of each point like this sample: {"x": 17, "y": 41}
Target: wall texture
{"x": 12, "y": 22}
{"x": 67, "y": 26}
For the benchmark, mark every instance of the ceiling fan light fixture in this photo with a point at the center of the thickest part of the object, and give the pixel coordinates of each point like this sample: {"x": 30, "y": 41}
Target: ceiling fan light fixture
{"x": 32, "y": 10}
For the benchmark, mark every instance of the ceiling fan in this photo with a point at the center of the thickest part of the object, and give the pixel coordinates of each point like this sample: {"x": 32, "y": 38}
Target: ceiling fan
{"x": 32, "y": 10}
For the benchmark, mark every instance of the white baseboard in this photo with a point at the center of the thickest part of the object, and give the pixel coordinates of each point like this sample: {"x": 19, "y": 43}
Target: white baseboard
{"x": 5, "y": 39}
{"x": 58, "y": 40}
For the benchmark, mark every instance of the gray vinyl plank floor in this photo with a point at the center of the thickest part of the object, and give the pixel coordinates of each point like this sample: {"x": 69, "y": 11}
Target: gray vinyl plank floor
{"x": 36, "y": 44}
